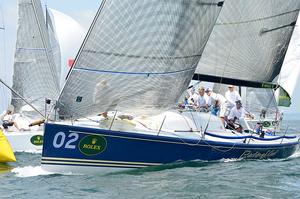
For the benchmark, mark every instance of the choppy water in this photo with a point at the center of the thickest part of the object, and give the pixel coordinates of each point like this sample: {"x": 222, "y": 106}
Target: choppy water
{"x": 223, "y": 179}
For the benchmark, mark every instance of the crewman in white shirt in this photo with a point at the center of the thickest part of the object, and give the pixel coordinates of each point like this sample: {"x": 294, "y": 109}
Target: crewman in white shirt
{"x": 202, "y": 100}
{"x": 236, "y": 113}
{"x": 217, "y": 102}
{"x": 7, "y": 119}
{"x": 231, "y": 96}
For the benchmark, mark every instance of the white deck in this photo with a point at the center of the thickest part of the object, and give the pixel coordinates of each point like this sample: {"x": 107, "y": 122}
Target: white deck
{"x": 187, "y": 125}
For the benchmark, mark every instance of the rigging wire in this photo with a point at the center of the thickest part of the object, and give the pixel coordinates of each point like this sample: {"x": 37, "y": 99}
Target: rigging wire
{"x": 1, "y": 81}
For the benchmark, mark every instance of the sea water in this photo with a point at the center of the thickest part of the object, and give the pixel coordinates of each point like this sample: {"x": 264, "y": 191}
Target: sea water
{"x": 228, "y": 178}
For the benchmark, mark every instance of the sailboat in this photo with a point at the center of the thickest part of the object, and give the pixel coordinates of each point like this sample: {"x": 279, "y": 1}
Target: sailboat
{"x": 138, "y": 58}
{"x": 35, "y": 77}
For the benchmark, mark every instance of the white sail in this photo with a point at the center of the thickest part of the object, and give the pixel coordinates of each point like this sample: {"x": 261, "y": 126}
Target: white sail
{"x": 250, "y": 40}
{"x": 70, "y": 35}
{"x": 139, "y": 56}
{"x": 257, "y": 99}
{"x": 34, "y": 69}
{"x": 4, "y": 73}
{"x": 54, "y": 45}
{"x": 290, "y": 73}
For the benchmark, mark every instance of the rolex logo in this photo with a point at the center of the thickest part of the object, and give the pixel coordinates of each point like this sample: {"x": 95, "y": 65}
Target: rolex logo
{"x": 92, "y": 145}
{"x": 94, "y": 140}
{"x": 37, "y": 140}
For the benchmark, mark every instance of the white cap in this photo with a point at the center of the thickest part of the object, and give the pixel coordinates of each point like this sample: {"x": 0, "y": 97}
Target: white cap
{"x": 11, "y": 108}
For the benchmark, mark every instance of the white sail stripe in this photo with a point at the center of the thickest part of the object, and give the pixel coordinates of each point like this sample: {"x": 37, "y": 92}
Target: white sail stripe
{"x": 98, "y": 161}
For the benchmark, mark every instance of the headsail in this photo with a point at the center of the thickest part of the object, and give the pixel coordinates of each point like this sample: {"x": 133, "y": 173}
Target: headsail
{"x": 289, "y": 76}
{"x": 54, "y": 45}
{"x": 70, "y": 35}
{"x": 257, "y": 99}
{"x": 34, "y": 69}
{"x": 249, "y": 41}
{"x": 138, "y": 56}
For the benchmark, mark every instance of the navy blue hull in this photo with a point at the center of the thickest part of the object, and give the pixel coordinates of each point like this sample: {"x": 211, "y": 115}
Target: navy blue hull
{"x": 80, "y": 146}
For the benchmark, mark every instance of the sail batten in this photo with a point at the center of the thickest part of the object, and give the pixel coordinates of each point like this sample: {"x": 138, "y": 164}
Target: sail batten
{"x": 257, "y": 19}
{"x": 139, "y": 56}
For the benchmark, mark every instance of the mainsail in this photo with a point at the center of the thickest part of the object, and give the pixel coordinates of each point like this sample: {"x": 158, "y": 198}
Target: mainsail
{"x": 138, "y": 56}
{"x": 248, "y": 42}
{"x": 34, "y": 69}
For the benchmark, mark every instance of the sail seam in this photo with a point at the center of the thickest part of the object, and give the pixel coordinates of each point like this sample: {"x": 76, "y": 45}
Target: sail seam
{"x": 134, "y": 73}
{"x": 259, "y": 19}
{"x": 37, "y": 49}
{"x": 139, "y": 56}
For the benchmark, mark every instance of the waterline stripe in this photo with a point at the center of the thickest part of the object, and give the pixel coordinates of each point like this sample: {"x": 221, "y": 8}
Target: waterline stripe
{"x": 92, "y": 164}
{"x": 99, "y": 161}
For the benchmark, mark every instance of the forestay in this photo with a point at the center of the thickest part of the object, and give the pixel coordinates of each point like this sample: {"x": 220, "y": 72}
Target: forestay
{"x": 34, "y": 69}
{"x": 139, "y": 56}
{"x": 249, "y": 40}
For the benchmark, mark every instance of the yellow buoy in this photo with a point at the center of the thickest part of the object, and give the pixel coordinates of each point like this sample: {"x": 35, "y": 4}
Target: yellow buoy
{"x": 6, "y": 153}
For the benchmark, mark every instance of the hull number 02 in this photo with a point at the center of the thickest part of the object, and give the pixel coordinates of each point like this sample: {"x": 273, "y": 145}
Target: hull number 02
{"x": 68, "y": 142}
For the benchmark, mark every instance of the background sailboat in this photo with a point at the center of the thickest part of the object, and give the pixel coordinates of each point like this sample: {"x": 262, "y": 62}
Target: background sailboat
{"x": 35, "y": 75}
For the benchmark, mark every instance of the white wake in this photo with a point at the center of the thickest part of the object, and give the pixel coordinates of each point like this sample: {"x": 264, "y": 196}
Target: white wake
{"x": 30, "y": 171}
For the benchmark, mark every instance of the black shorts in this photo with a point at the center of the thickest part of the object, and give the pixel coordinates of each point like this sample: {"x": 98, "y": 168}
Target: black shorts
{"x": 6, "y": 124}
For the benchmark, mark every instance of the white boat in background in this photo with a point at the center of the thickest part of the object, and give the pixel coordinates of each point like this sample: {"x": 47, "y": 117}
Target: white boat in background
{"x": 36, "y": 75}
